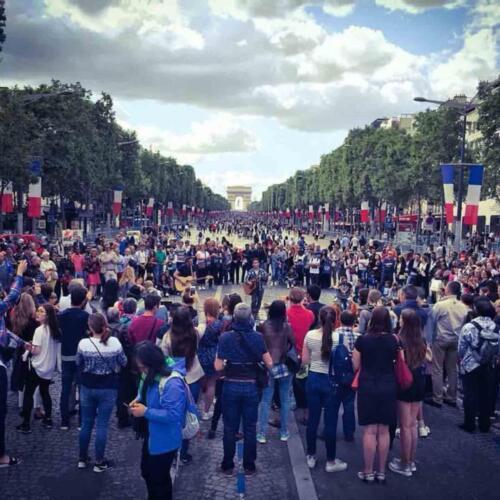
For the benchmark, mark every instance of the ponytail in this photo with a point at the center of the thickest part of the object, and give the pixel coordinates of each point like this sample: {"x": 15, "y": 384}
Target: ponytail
{"x": 327, "y": 318}
{"x": 99, "y": 325}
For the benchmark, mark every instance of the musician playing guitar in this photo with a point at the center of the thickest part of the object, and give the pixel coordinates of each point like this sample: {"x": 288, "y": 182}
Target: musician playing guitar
{"x": 184, "y": 276}
{"x": 255, "y": 280}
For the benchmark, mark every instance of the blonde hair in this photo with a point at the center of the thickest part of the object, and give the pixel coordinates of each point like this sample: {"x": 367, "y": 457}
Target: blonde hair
{"x": 127, "y": 276}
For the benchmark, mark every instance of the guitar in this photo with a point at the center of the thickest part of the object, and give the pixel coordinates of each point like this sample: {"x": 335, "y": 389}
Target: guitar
{"x": 249, "y": 286}
{"x": 183, "y": 283}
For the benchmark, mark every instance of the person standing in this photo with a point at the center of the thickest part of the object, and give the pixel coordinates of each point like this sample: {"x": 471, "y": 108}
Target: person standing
{"x": 301, "y": 321}
{"x": 238, "y": 353}
{"x": 43, "y": 350}
{"x": 278, "y": 338}
{"x": 313, "y": 303}
{"x": 374, "y": 355}
{"x": 477, "y": 369}
{"x": 73, "y": 324}
{"x": 258, "y": 278}
{"x": 6, "y": 341}
{"x": 160, "y": 410}
{"x": 320, "y": 393}
{"x": 99, "y": 359}
{"x": 409, "y": 400}
{"x": 447, "y": 318}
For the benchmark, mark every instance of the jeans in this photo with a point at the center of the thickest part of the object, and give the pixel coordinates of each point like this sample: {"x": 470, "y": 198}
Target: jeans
{"x": 97, "y": 406}
{"x": 321, "y": 395}
{"x": 155, "y": 469}
{"x": 157, "y": 272}
{"x": 3, "y": 407}
{"x": 68, "y": 376}
{"x": 32, "y": 382}
{"x": 195, "y": 388}
{"x": 477, "y": 386}
{"x": 299, "y": 392}
{"x": 240, "y": 401}
{"x": 267, "y": 396}
{"x": 257, "y": 301}
{"x": 127, "y": 391}
{"x": 345, "y": 396}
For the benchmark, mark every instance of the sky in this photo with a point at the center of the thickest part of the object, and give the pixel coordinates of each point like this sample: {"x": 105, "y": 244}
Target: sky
{"x": 249, "y": 91}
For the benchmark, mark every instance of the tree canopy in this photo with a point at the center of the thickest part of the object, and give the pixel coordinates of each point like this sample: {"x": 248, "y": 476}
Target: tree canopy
{"x": 85, "y": 153}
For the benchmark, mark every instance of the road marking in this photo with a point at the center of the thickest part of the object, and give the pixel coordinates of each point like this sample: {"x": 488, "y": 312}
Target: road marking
{"x": 301, "y": 473}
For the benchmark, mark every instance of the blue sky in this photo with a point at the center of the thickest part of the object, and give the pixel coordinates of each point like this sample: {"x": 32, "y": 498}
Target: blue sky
{"x": 250, "y": 91}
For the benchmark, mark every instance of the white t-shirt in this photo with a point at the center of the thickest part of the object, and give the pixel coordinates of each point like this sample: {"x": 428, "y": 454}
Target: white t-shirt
{"x": 65, "y": 303}
{"x": 44, "y": 363}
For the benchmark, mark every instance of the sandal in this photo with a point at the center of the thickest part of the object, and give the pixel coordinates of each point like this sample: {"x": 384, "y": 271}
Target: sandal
{"x": 12, "y": 461}
{"x": 380, "y": 477}
{"x": 367, "y": 477}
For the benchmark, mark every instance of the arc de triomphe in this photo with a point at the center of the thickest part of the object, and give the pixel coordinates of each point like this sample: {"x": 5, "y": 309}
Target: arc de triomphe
{"x": 239, "y": 197}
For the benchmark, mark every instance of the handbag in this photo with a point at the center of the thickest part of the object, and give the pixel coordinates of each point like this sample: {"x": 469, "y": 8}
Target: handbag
{"x": 403, "y": 374}
{"x": 292, "y": 360}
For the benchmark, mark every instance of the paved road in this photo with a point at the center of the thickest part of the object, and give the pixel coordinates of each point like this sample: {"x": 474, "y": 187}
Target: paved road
{"x": 451, "y": 464}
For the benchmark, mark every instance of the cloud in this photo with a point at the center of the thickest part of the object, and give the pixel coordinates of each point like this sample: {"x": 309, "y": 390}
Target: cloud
{"x": 419, "y": 6}
{"x": 219, "y": 134}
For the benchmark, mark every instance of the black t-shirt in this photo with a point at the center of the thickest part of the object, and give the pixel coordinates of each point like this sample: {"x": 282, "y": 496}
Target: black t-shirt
{"x": 73, "y": 323}
{"x": 185, "y": 270}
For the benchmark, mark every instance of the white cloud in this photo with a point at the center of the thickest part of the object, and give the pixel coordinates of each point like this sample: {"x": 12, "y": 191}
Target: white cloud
{"x": 419, "y": 6}
{"x": 219, "y": 134}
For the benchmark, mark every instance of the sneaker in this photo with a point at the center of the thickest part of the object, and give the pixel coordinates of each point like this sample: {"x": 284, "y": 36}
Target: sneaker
{"x": 424, "y": 431}
{"x": 23, "y": 428}
{"x": 186, "y": 459}
{"x": 102, "y": 466}
{"x": 261, "y": 439}
{"x": 207, "y": 415}
{"x": 47, "y": 423}
{"x": 64, "y": 426}
{"x": 397, "y": 467}
{"x": 285, "y": 437}
{"x": 83, "y": 462}
{"x": 413, "y": 465}
{"x": 311, "y": 461}
{"x": 397, "y": 434}
{"x": 336, "y": 466}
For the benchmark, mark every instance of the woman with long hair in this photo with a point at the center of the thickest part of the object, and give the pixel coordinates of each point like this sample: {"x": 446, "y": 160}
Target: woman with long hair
{"x": 127, "y": 281}
{"x": 410, "y": 400}
{"x": 160, "y": 408}
{"x": 278, "y": 338}
{"x": 319, "y": 391}
{"x": 207, "y": 351}
{"x": 181, "y": 342}
{"x": 43, "y": 350}
{"x": 374, "y": 355}
{"x": 99, "y": 359}
{"x": 110, "y": 291}
{"x": 93, "y": 270}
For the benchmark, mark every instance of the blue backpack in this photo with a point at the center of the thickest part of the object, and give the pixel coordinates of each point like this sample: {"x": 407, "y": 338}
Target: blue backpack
{"x": 340, "y": 370}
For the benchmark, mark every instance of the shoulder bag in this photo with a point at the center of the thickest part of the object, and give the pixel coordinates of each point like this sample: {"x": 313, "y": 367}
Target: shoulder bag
{"x": 403, "y": 374}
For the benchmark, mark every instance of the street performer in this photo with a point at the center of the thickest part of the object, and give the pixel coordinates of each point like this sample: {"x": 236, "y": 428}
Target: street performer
{"x": 255, "y": 280}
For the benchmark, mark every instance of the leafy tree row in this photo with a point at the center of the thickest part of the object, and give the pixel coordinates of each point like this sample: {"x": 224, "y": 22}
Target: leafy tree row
{"x": 85, "y": 153}
{"x": 393, "y": 166}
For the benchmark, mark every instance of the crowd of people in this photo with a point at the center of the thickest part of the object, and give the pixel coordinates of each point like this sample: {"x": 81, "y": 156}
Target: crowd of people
{"x": 403, "y": 328}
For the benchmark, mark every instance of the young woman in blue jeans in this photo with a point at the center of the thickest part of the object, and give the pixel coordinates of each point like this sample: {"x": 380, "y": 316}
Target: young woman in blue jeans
{"x": 278, "y": 337}
{"x": 319, "y": 391}
{"x": 99, "y": 359}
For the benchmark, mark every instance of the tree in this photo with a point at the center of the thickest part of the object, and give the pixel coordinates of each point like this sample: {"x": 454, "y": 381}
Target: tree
{"x": 489, "y": 126}
{"x": 3, "y": 20}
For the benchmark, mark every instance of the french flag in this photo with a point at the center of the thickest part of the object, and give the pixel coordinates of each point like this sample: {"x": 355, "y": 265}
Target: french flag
{"x": 149, "y": 207}
{"x": 473, "y": 194}
{"x": 35, "y": 199}
{"x": 327, "y": 211}
{"x": 7, "y": 201}
{"x": 311, "y": 212}
{"x": 364, "y": 214}
{"x": 170, "y": 209}
{"x": 117, "y": 202}
{"x": 447, "y": 172}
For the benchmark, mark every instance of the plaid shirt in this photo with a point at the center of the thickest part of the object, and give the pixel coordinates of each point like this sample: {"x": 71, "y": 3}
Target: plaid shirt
{"x": 348, "y": 334}
{"x": 6, "y": 338}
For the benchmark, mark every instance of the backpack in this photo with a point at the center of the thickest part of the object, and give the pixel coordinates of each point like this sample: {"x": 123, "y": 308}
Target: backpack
{"x": 340, "y": 370}
{"x": 488, "y": 349}
{"x": 191, "y": 422}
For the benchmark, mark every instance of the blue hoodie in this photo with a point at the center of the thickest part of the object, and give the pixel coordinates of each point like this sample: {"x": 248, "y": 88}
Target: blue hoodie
{"x": 166, "y": 412}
